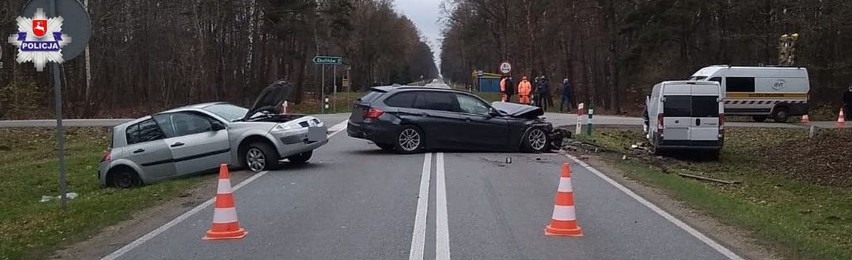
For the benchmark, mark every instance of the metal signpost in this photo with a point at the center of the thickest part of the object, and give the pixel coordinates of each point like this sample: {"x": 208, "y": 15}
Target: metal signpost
{"x": 76, "y": 24}
{"x": 324, "y": 61}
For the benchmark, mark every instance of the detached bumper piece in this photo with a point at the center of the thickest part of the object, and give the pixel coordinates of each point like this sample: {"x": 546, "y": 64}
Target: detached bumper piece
{"x": 556, "y": 138}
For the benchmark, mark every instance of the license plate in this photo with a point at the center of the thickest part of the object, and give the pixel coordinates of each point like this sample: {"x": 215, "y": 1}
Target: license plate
{"x": 316, "y": 134}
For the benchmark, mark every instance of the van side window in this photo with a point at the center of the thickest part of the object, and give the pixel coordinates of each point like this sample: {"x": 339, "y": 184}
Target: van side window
{"x": 739, "y": 84}
{"x": 717, "y": 79}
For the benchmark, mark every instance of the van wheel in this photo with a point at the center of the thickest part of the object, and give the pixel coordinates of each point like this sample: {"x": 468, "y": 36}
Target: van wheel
{"x": 759, "y": 118}
{"x": 781, "y": 116}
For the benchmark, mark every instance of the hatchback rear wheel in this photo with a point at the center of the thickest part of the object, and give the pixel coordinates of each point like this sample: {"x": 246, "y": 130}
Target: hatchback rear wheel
{"x": 125, "y": 178}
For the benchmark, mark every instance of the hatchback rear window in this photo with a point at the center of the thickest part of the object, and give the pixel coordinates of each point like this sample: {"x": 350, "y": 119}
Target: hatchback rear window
{"x": 691, "y": 106}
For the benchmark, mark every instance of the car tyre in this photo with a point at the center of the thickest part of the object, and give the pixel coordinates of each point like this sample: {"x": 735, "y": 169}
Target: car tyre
{"x": 386, "y": 147}
{"x": 781, "y": 116}
{"x": 410, "y": 139}
{"x": 259, "y": 157}
{"x": 301, "y": 158}
{"x": 536, "y": 140}
{"x": 125, "y": 178}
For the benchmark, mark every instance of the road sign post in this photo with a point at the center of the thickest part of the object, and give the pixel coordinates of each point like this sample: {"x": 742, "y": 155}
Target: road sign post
{"x": 78, "y": 26}
{"x": 325, "y": 61}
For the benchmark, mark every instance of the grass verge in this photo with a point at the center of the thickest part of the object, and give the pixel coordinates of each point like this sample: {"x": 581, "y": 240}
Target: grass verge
{"x": 29, "y": 169}
{"x": 797, "y": 218}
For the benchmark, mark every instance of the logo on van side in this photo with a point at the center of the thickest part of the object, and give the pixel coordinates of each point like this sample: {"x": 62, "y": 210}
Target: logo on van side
{"x": 779, "y": 84}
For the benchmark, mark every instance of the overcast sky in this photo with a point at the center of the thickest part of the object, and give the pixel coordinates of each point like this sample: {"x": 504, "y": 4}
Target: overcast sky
{"x": 425, "y": 14}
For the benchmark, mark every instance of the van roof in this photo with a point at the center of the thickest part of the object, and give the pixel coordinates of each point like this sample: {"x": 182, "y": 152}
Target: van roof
{"x": 689, "y": 82}
{"x": 710, "y": 70}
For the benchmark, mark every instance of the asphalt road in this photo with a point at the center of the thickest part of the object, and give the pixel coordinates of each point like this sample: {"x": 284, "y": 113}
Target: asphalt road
{"x": 558, "y": 119}
{"x": 355, "y": 202}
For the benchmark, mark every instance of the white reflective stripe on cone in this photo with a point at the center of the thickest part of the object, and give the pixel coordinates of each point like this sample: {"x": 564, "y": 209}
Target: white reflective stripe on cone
{"x": 563, "y": 213}
{"x": 226, "y": 215}
{"x": 565, "y": 185}
{"x": 224, "y": 186}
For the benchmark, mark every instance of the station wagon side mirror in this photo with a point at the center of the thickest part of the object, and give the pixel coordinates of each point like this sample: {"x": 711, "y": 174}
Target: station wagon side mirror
{"x": 493, "y": 112}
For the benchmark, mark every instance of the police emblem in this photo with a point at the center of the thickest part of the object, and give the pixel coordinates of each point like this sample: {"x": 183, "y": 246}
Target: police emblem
{"x": 39, "y": 39}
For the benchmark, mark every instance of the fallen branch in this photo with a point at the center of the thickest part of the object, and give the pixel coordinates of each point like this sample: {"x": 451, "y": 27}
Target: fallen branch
{"x": 707, "y": 178}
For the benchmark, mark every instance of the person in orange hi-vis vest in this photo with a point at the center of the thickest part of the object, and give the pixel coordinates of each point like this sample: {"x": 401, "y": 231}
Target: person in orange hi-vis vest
{"x": 524, "y": 90}
{"x": 503, "y": 89}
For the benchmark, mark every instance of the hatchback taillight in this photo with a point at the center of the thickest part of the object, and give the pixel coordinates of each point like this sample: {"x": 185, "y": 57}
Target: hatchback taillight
{"x": 107, "y": 155}
{"x": 373, "y": 113}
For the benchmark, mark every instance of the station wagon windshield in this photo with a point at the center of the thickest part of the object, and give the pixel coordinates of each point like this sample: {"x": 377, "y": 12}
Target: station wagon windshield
{"x": 227, "y": 111}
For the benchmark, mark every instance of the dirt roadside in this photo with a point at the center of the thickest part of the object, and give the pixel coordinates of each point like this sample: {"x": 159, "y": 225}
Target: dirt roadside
{"x": 740, "y": 241}
{"x": 116, "y": 236}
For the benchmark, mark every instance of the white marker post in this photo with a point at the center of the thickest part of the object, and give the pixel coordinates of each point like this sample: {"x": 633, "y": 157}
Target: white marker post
{"x": 579, "y": 119}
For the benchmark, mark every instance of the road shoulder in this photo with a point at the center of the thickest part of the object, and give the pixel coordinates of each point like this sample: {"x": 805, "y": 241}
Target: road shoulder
{"x": 740, "y": 241}
{"x": 116, "y": 236}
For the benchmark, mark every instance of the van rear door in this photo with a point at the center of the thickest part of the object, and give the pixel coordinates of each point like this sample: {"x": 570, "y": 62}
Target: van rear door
{"x": 677, "y": 115}
{"x": 704, "y": 125}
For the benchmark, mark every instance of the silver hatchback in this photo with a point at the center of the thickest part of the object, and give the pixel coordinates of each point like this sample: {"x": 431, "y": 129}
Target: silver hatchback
{"x": 200, "y": 137}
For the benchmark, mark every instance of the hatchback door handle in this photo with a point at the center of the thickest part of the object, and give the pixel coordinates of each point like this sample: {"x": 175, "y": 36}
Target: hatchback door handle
{"x": 177, "y": 144}
{"x": 139, "y": 151}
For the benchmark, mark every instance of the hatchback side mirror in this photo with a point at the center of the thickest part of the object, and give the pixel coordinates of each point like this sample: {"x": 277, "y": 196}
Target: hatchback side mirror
{"x": 217, "y": 126}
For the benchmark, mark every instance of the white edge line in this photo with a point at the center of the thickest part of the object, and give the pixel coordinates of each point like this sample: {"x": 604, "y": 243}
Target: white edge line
{"x": 150, "y": 235}
{"x": 418, "y": 236}
{"x": 442, "y": 234}
{"x": 697, "y": 234}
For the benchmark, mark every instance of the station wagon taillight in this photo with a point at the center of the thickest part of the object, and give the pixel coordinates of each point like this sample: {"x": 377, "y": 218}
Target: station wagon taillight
{"x": 373, "y": 113}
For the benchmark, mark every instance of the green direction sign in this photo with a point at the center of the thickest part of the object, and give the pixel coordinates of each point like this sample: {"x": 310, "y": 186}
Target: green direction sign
{"x": 328, "y": 60}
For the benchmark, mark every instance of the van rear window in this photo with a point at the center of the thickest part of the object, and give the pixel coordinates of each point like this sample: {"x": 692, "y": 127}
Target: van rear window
{"x": 678, "y": 106}
{"x": 691, "y": 106}
{"x": 705, "y": 106}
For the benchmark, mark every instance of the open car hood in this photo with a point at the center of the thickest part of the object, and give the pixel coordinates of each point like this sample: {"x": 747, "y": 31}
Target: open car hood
{"x": 270, "y": 99}
{"x": 518, "y": 110}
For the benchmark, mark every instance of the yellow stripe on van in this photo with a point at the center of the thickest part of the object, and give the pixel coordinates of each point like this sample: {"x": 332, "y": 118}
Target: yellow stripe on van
{"x": 739, "y": 95}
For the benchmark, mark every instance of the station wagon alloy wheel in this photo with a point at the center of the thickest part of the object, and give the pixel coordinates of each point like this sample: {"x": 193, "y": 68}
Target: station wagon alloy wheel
{"x": 255, "y": 159}
{"x": 409, "y": 140}
{"x": 537, "y": 139}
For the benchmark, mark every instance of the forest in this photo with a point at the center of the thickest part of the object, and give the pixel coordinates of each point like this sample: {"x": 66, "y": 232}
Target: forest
{"x": 614, "y": 51}
{"x": 152, "y": 54}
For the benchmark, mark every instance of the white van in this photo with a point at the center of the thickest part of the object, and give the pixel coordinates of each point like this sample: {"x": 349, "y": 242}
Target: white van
{"x": 685, "y": 115}
{"x": 761, "y": 92}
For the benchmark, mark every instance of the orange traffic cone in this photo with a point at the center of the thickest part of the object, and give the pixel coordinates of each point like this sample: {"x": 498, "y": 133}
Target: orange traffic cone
{"x": 563, "y": 222}
{"x": 841, "y": 119}
{"x": 805, "y": 119}
{"x": 225, "y": 223}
